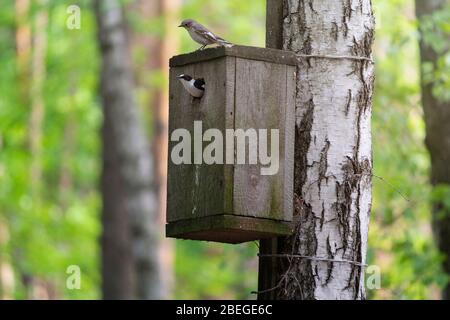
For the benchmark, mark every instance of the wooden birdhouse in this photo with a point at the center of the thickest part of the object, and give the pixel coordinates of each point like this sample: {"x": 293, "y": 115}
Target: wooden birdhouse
{"x": 231, "y": 152}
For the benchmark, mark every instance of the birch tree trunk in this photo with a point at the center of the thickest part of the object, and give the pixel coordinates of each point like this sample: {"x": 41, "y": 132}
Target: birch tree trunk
{"x": 157, "y": 50}
{"x": 23, "y": 65}
{"x": 437, "y": 118}
{"x": 135, "y": 164}
{"x": 333, "y": 156}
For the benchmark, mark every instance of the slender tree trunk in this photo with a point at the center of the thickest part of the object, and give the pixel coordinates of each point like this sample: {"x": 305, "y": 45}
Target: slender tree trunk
{"x": 23, "y": 65}
{"x": 117, "y": 259}
{"x": 65, "y": 172}
{"x": 23, "y": 47}
{"x": 333, "y": 160}
{"x": 69, "y": 138}
{"x": 31, "y": 66}
{"x": 40, "y": 288}
{"x": 130, "y": 149}
{"x": 437, "y": 119}
{"x": 7, "y": 283}
{"x": 38, "y": 74}
{"x": 160, "y": 147}
{"x": 157, "y": 50}
{"x": 6, "y": 271}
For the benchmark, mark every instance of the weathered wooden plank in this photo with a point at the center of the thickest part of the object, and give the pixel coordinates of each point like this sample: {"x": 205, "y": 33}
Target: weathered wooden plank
{"x": 245, "y": 52}
{"x": 260, "y": 105}
{"x": 227, "y": 229}
{"x": 229, "y": 124}
{"x": 274, "y": 24}
{"x": 289, "y": 142}
{"x": 269, "y": 266}
{"x": 196, "y": 190}
{"x": 180, "y": 113}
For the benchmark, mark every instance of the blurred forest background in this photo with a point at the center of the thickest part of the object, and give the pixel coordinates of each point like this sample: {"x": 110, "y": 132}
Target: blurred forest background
{"x": 51, "y": 154}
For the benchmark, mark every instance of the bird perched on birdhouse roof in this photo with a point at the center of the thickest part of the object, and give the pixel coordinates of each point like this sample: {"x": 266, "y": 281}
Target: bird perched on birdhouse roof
{"x": 202, "y": 35}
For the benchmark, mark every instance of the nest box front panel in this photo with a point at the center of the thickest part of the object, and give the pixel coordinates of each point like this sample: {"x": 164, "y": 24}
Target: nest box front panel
{"x": 196, "y": 189}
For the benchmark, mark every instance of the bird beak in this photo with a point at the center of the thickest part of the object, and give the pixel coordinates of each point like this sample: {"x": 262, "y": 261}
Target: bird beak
{"x": 179, "y": 77}
{"x": 180, "y": 26}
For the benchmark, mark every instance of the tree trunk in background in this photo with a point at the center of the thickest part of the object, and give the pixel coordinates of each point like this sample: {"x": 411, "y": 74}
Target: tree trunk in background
{"x": 437, "y": 119}
{"x": 333, "y": 156}
{"x": 23, "y": 47}
{"x": 117, "y": 260}
{"x": 157, "y": 51}
{"x": 39, "y": 288}
{"x": 31, "y": 67}
{"x": 38, "y": 74}
{"x": 6, "y": 271}
{"x": 23, "y": 64}
{"x": 169, "y": 8}
{"x": 129, "y": 147}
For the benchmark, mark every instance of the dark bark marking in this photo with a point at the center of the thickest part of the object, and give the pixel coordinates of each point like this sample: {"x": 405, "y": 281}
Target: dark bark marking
{"x": 301, "y": 270}
{"x": 322, "y": 216}
{"x": 323, "y": 164}
{"x": 349, "y": 101}
{"x": 346, "y": 16}
{"x": 306, "y": 241}
{"x": 334, "y": 31}
{"x": 311, "y": 6}
{"x": 302, "y": 144}
{"x": 330, "y": 264}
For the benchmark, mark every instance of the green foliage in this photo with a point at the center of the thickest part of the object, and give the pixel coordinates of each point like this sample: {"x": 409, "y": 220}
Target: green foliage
{"x": 436, "y": 31}
{"x": 240, "y": 22}
{"x": 53, "y": 223}
{"x": 400, "y": 239}
{"x": 213, "y": 271}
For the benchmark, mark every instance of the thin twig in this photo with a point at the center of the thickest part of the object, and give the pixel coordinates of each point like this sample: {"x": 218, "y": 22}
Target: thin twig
{"x": 392, "y": 186}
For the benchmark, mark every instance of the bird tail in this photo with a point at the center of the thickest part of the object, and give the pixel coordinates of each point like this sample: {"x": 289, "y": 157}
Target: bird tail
{"x": 224, "y": 42}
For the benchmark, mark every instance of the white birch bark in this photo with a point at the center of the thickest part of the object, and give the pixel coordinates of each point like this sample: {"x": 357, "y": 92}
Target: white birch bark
{"x": 333, "y": 148}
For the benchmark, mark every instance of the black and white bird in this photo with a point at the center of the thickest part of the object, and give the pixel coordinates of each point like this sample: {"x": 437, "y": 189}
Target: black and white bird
{"x": 195, "y": 87}
{"x": 202, "y": 35}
